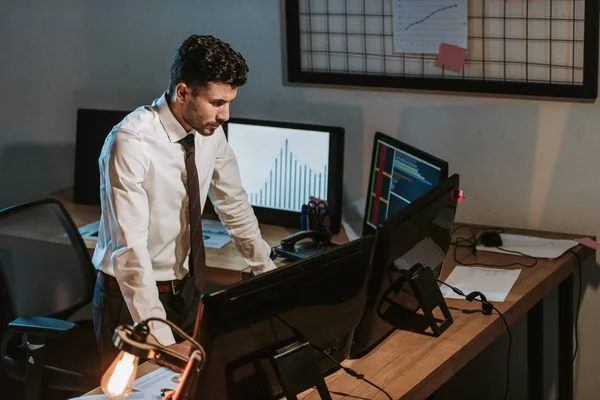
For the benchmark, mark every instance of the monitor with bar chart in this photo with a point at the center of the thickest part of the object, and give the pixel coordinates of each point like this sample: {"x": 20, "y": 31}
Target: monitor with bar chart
{"x": 283, "y": 164}
{"x": 399, "y": 175}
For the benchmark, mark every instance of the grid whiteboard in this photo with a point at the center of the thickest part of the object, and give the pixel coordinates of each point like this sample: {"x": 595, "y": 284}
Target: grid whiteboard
{"x": 543, "y": 48}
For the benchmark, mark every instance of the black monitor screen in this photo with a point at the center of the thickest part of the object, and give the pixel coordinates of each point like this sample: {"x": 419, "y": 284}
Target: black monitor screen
{"x": 399, "y": 175}
{"x": 283, "y": 164}
{"x": 92, "y": 128}
{"x": 420, "y": 233}
{"x": 244, "y": 325}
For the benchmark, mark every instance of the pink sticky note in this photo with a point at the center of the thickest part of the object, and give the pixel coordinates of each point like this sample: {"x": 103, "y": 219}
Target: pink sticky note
{"x": 588, "y": 243}
{"x": 451, "y": 57}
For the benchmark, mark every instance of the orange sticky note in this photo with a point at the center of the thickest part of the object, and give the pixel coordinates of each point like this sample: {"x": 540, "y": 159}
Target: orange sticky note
{"x": 588, "y": 243}
{"x": 451, "y": 56}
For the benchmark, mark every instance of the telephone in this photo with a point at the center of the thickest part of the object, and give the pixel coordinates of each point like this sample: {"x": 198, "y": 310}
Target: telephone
{"x": 294, "y": 248}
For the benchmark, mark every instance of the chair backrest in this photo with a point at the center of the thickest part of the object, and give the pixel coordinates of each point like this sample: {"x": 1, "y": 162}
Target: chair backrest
{"x": 45, "y": 266}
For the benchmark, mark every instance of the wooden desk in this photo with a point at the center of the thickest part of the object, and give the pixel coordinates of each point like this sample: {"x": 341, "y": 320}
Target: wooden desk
{"x": 413, "y": 366}
{"x": 225, "y": 265}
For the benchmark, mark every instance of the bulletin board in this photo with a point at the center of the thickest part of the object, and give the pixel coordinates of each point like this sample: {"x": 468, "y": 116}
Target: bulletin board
{"x": 539, "y": 48}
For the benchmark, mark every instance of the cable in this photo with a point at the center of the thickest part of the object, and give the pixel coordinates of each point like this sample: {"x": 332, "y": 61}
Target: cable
{"x": 353, "y": 373}
{"x": 486, "y": 303}
{"x": 472, "y": 242}
{"x": 347, "y": 370}
{"x": 183, "y": 335}
{"x": 579, "y": 294}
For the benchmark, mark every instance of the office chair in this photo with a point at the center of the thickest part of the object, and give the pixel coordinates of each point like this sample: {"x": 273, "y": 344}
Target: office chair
{"x": 45, "y": 277}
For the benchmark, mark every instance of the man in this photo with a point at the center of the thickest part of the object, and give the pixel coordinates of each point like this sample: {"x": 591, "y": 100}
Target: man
{"x": 156, "y": 168}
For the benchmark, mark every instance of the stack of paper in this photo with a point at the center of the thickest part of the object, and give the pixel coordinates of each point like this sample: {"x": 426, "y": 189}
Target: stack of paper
{"x": 531, "y": 246}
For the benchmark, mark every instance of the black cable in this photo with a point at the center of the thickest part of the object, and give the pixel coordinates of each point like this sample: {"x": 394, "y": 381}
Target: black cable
{"x": 352, "y": 372}
{"x": 273, "y": 329}
{"x": 513, "y": 264}
{"x": 472, "y": 244}
{"x": 461, "y": 293}
{"x": 508, "y": 355}
{"x": 347, "y": 370}
{"x": 479, "y": 228}
{"x": 579, "y": 294}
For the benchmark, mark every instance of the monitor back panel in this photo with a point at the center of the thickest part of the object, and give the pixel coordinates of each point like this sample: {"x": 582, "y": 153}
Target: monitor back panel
{"x": 421, "y": 233}
{"x": 244, "y": 325}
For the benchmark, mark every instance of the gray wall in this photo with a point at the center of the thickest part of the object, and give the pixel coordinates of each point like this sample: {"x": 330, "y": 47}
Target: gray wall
{"x": 527, "y": 164}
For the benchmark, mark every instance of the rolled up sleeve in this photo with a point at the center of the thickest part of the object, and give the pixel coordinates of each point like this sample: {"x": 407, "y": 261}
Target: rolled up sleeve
{"x": 234, "y": 210}
{"x": 128, "y": 211}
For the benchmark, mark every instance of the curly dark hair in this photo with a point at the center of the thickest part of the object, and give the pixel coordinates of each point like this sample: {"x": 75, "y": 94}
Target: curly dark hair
{"x": 203, "y": 59}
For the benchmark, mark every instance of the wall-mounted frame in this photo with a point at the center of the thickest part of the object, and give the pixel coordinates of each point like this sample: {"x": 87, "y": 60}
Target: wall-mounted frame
{"x": 518, "y": 48}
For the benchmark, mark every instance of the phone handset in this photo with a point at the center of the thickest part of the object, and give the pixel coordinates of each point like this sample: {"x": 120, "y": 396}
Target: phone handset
{"x": 317, "y": 236}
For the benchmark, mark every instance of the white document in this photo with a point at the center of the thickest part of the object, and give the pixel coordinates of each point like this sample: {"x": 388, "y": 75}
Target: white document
{"x": 153, "y": 383}
{"x": 421, "y": 26}
{"x": 493, "y": 283}
{"x": 215, "y": 234}
{"x": 90, "y": 231}
{"x": 353, "y": 218}
{"x": 532, "y": 246}
{"x": 426, "y": 252}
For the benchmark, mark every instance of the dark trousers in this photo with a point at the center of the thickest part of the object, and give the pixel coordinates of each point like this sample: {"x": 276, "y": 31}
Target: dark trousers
{"x": 109, "y": 311}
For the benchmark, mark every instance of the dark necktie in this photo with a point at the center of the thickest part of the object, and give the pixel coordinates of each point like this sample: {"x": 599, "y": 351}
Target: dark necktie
{"x": 197, "y": 254}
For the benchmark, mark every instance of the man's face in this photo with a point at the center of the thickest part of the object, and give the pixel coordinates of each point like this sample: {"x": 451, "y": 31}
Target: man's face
{"x": 208, "y": 108}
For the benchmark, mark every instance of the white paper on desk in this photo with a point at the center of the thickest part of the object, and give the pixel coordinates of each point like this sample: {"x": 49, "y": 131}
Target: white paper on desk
{"x": 151, "y": 384}
{"x": 421, "y": 26}
{"x": 353, "y": 218}
{"x": 532, "y": 246}
{"x": 493, "y": 283}
{"x": 215, "y": 234}
{"x": 90, "y": 231}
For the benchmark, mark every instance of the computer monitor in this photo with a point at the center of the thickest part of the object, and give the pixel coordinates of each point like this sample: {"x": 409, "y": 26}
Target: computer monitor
{"x": 242, "y": 326}
{"x": 92, "y": 128}
{"x": 283, "y": 164}
{"x": 399, "y": 175}
{"x": 419, "y": 233}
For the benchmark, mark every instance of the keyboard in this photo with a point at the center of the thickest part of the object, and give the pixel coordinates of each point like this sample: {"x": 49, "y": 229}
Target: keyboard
{"x": 303, "y": 250}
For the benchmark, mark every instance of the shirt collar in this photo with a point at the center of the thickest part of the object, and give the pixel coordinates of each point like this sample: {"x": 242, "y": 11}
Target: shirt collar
{"x": 174, "y": 130}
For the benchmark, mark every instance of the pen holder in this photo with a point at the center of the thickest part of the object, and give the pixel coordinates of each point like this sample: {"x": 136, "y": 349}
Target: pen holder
{"x": 315, "y": 215}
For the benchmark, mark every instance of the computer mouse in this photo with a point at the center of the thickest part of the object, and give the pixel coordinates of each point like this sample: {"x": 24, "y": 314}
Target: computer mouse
{"x": 490, "y": 239}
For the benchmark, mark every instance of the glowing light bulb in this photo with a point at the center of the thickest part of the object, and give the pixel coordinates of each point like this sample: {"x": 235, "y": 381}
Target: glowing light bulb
{"x": 117, "y": 382}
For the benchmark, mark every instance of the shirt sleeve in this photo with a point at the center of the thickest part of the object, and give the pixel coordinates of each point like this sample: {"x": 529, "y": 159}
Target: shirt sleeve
{"x": 231, "y": 204}
{"x": 127, "y": 208}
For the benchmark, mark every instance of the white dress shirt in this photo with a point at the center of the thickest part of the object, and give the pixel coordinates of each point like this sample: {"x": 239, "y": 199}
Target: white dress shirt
{"x": 144, "y": 229}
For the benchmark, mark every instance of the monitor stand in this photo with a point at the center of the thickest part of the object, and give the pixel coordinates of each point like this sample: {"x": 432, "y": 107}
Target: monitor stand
{"x": 297, "y": 370}
{"x": 428, "y": 294}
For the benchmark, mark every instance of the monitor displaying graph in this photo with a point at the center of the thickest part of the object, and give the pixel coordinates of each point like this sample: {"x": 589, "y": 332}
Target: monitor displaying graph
{"x": 399, "y": 175}
{"x": 281, "y": 167}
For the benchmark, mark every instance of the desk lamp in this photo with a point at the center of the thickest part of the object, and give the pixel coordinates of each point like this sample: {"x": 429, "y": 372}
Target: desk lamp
{"x": 136, "y": 342}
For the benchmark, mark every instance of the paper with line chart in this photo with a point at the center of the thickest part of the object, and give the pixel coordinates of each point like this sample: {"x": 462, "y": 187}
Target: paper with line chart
{"x": 280, "y": 167}
{"x": 421, "y": 26}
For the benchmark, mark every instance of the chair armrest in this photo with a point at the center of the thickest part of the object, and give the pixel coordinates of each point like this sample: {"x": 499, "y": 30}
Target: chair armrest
{"x": 41, "y": 326}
